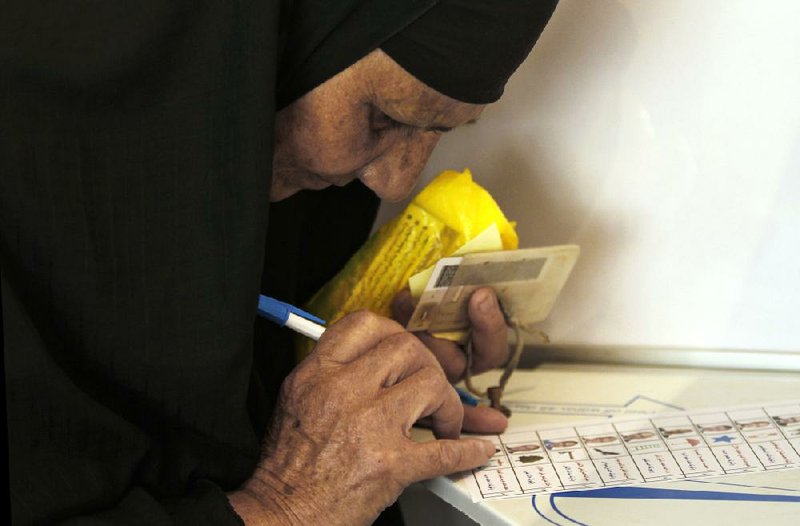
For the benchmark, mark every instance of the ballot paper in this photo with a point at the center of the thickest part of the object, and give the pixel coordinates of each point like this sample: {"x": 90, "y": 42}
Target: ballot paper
{"x": 625, "y": 451}
{"x": 527, "y": 283}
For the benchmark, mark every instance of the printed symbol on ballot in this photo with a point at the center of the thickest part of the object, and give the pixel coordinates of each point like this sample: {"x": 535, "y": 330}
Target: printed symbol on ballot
{"x": 605, "y": 439}
{"x": 762, "y": 435}
{"x": 605, "y": 452}
{"x": 755, "y": 424}
{"x": 674, "y": 431}
{"x": 716, "y": 428}
{"x": 644, "y": 447}
{"x": 523, "y": 448}
{"x": 571, "y": 454}
{"x": 786, "y": 420}
{"x": 724, "y": 439}
{"x": 639, "y": 435}
{"x": 530, "y": 459}
{"x": 559, "y": 444}
{"x": 681, "y": 443}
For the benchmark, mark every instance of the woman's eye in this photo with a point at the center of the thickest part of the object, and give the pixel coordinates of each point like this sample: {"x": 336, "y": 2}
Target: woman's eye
{"x": 382, "y": 122}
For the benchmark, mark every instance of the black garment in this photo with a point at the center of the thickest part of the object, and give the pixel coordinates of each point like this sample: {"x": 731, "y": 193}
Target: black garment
{"x": 135, "y": 158}
{"x": 324, "y": 37}
{"x": 466, "y": 49}
{"x": 481, "y": 44}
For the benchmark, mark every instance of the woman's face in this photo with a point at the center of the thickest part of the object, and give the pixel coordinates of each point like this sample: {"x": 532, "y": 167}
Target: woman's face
{"x": 373, "y": 121}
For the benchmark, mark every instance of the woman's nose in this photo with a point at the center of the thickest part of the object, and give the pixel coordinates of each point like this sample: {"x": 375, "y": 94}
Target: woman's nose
{"x": 394, "y": 174}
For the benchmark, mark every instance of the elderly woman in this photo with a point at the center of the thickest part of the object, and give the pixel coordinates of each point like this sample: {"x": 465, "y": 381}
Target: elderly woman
{"x": 142, "y": 144}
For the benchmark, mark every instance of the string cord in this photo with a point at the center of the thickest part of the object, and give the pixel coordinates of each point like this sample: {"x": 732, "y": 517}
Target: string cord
{"x": 495, "y": 393}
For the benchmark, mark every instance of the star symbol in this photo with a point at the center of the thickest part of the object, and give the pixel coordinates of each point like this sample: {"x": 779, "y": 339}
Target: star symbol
{"x": 723, "y": 438}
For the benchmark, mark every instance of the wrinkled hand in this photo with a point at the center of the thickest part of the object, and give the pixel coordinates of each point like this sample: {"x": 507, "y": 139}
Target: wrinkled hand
{"x": 489, "y": 346}
{"x": 339, "y": 449}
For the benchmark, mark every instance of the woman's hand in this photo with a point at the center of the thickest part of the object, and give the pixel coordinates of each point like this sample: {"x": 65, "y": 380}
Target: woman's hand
{"x": 489, "y": 346}
{"x": 339, "y": 449}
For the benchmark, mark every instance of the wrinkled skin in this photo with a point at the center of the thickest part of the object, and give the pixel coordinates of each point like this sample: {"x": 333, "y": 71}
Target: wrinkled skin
{"x": 373, "y": 122}
{"x": 340, "y": 431}
{"x": 490, "y": 343}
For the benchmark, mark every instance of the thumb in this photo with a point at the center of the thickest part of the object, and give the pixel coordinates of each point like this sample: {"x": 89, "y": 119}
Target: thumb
{"x": 489, "y": 331}
{"x": 443, "y": 457}
{"x": 403, "y": 306}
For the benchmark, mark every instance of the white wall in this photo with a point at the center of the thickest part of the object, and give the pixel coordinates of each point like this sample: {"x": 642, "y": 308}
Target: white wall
{"x": 663, "y": 137}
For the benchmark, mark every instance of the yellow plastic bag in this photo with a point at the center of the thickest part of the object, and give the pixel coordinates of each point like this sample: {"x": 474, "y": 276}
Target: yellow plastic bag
{"x": 445, "y": 215}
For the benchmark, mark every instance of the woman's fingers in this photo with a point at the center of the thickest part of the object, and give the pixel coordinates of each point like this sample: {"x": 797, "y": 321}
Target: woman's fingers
{"x": 347, "y": 412}
{"x": 402, "y": 307}
{"x": 394, "y": 359}
{"x": 449, "y": 355}
{"x": 414, "y": 382}
{"x": 355, "y": 335}
{"x": 443, "y": 457}
{"x": 480, "y": 420}
{"x": 427, "y": 393}
{"x": 489, "y": 347}
{"x": 489, "y": 334}
{"x": 489, "y": 331}
{"x": 484, "y": 420}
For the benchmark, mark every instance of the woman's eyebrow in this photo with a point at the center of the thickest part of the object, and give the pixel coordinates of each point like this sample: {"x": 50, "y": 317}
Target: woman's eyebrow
{"x": 445, "y": 129}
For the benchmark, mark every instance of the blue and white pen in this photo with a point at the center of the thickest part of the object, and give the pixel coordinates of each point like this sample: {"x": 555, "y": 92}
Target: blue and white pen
{"x": 290, "y": 316}
{"x": 309, "y": 325}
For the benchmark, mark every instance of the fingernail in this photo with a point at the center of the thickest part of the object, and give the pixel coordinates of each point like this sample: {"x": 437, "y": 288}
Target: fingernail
{"x": 488, "y": 448}
{"x": 487, "y": 304}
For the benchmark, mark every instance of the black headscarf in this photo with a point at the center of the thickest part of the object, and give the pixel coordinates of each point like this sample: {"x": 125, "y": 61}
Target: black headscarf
{"x": 135, "y": 159}
{"x": 466, "y": 49}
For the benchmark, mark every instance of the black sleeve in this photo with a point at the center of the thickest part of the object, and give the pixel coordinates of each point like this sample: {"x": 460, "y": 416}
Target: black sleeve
{"x": 135, "y": 153}
{"x": 205, "y": 504}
